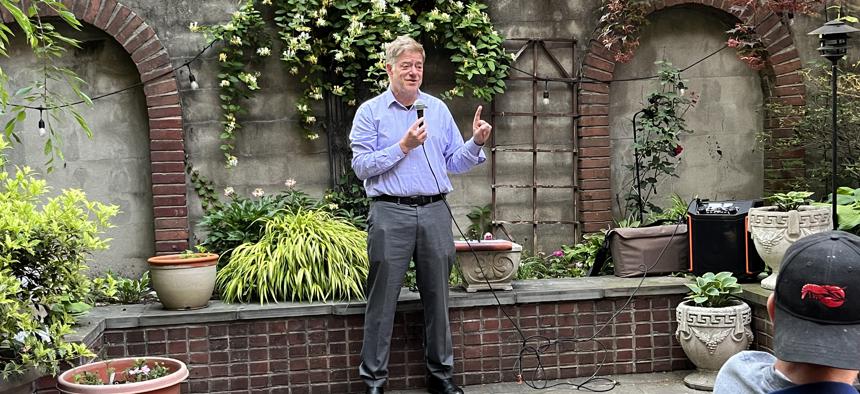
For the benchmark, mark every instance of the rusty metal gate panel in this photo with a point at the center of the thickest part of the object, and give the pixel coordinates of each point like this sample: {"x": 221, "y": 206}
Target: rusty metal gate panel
{"x": 543, "y": 70}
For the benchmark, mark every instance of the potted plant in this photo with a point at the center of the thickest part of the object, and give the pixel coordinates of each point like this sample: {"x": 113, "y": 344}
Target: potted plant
{"x": 775, "y": 227}
{"x": 712, "y": 326}
{"x": 154, "y": 375}
{"x": 184, "y": 281}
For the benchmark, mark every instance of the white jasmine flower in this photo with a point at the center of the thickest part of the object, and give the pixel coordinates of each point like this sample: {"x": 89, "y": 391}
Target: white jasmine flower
{"x": 237, "y": 15}
{"x": 267, "y": 2}
{"x": 290, "y": 183}
{"x": 264, "y": 51}
{"x": 302, "y": 108}
{"x": 337, "y": 90}
{"x": 332, "y": 206}
{"x": 222, "y": 57}
{"x": 229, "y": 26}
{"x": 193, "y": 27}
{"x": 351, "y": 103}
{"x": 258, "y": 192}
{"x": 232, "y": 161}
{"x": 229, "y": 192}
{"x": 294, "y": 70}
{"x": 225, "y": 83}
{"x": 310, "y": 119}
{"x": 313, "y": 136}
{"x": 321, "y": 22}
{"x": 235, "y": 40}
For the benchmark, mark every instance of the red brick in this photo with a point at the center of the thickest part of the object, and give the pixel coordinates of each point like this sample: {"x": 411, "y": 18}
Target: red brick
{"x": 170, "y": 235}
{"x": 168, "y": 178}
{"x": 788, "y": 79}
{"x": 129, "y": 30}
{"x": 596, "y": 75}
{"x": 599, "y": 205}
{"x": 594, "y": 110}
{"x": 171, "y": 246}
{"x": 168, "y": 201}
{"x": 107, "y": 10}
{"x": 594, "y": 173}
{"x": 163, "y": 212}
{"x": 595, "y": 152}
{"x": 160, "y": 87}
{"x": 146, "y": 50}
{"x": 165, "y": 134}
{"x": 792, "y": 100}
{"x": 594, "y": 98}
{"x": 168, "y": 167}
{"x": 92, "y": 10}
{"x": 155, "y": 63}
{"x": 602, "y": 194}
{"x": 792, "y": 90}
{"x": 595, "y": 87}
{"x": 138, "y": 40}
{"x": 594, "y": 142}
{"x": 587, "y": 121}
{"x": 594, "y": 163}
{"x": 167, "y": 156}
{"x": 165, "y": 112}
{"x": 165, "y": 123}
{"x": 118, "y": 21}
{"x": 779, "y": 45}
{"x": 167, "y": 99}
{"x": 784, "y": 56}
{"x": 787, "y": 67}
{"x": 595, "y": 184}
{"x": 600, "y": 64}
{"x": 166, "y": 145}
{"x": 171, "y": 223}
{"x": 600, "y": 131}
{"x": 168, "y": 189}
{"x": 597, "y": 216}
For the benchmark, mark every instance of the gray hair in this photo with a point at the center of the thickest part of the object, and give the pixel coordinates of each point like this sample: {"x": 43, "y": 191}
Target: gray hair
{"x": 401, "y": 44}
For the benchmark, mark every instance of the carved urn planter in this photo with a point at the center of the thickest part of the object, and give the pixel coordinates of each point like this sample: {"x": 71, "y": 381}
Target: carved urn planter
{"x": 495, "y": 267}
{"x": 710, "y": 336}
{"x": 774, "y": 231}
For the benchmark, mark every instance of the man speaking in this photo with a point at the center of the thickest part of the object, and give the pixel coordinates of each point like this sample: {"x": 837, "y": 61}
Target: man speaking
{"x": 404, "y": 162}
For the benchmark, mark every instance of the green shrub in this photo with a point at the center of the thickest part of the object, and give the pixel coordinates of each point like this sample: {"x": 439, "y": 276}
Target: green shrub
{"x": 785, "y": 202}
{"x": 44, "y": 244}
{"x": 585, "y": 252}
{"x": 306, "y": 255}
{"x": 713, "y": 291}
{"x": 242, "y": 220}
{"x": 848, "y": 209}
{"x": 110, "y": 289}
{"x": 481, "y": 218}
{"x": 555, "y": 265}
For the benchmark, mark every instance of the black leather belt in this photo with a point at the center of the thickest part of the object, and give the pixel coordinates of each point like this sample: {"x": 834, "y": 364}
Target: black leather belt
{"x": 414, "y": 200}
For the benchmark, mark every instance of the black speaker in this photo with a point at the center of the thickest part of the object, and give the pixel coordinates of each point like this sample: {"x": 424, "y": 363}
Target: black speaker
{"x": 720, "y": 239}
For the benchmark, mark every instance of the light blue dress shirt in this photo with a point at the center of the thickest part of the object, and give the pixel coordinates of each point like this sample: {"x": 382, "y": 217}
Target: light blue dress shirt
{"x": 379, "y": 125}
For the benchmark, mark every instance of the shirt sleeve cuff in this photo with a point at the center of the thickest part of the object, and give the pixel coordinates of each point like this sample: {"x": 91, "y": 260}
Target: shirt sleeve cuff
{"x": 395, "y": 152}
{"x": 473, "y": 148}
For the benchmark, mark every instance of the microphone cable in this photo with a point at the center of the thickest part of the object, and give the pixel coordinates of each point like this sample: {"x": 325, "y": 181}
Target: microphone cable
{"x": 537, "y": 375}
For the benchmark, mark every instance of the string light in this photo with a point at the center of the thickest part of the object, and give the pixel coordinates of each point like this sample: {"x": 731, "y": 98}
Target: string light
{"x": 546, "y": 92}
{"x": 42, "y": 130}
{"x": 682, "y": 88}
{"x": 194, "y": 84}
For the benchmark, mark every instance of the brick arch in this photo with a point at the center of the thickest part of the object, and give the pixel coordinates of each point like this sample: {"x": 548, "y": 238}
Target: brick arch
{"x": 593, "y": 128}
{"x": 166, "y": 140}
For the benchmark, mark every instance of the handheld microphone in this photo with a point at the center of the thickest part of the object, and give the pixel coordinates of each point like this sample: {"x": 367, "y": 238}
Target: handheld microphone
{"x": 420, "y": 106}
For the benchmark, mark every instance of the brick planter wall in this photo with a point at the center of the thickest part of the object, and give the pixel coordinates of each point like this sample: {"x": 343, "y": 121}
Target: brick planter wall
{"x": 320, "y": 354}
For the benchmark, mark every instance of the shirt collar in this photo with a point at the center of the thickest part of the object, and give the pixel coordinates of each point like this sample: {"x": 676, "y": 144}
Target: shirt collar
{"x": 390, "y": 99}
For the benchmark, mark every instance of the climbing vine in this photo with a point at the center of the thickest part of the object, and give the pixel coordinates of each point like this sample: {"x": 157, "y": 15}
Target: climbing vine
{"x": 336, "y": 47}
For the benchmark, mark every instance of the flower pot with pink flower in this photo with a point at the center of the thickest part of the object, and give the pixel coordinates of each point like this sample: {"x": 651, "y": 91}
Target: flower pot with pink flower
{"x": 150, "y": 375}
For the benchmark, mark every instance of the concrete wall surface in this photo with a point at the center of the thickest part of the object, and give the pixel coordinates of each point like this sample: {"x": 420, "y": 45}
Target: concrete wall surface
{"x": 720, "y": 161}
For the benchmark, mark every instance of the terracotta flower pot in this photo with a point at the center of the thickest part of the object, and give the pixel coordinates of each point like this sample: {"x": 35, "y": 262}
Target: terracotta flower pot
{"x": 183, "y": 282}
{"x": 164, "y": 385}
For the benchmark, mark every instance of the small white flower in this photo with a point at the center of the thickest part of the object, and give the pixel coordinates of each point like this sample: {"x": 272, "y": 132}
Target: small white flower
{"x": 337, "y": 90}
{"x": 310, "y": 119}
{"x": 313, "y": 136}
{"x": 264, "y": 51}
{"x": 222, "y": 57}
{"x": 237, "y": 15}
{"x": 332, "y": 206}
{"x": 229, "y": 26}
{"x": 193, "y": 27}
{"x": 290, "y": 183}
{"x": 267, "y": 2}
{"x": 229, "y": 191}
{"x": 225, "y": 83}
{"x": 20, "y": 336}
{"x": 258, "y": 192}
{"x": 321, "y": 22}
{"x": 232, "y": 161}
{"x": 294, "y": 70}
{"x": 145, "y": 369}
{"x": 302, "y": 108}
{"x": 351, "y": 103}
{"x": 236, "y": 40}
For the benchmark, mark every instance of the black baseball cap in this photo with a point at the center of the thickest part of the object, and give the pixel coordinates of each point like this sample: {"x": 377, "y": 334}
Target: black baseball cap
{"x": 817, "y": 294}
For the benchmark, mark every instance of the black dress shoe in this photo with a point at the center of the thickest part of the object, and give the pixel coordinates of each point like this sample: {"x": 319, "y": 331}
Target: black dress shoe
{"x": 443, "y": 386}
{"x": 374, "y": 390}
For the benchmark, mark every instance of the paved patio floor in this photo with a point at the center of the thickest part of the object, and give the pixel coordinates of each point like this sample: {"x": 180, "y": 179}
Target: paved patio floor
{"x": 645, "y": 383}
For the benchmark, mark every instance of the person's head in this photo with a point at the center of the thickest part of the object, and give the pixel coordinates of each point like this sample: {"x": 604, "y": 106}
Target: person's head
{"x": 815, "y": 307}
{"x": 404, "y": 63}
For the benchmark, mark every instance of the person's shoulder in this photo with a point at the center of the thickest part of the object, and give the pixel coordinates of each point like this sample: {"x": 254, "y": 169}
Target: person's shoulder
{"x": 819, "y": 388}
{"x": 742, "y": 370}
{"x": 432, "y": 100}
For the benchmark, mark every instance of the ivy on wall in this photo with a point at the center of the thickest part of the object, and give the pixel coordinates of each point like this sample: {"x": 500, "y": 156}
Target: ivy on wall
{"x": 336, "y": 47}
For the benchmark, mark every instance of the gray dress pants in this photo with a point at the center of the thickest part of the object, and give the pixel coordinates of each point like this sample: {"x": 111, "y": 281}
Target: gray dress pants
{"x": 397, "y": 234}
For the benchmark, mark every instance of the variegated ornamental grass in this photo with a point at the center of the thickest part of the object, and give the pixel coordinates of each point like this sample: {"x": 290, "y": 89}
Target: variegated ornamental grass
{"x": 309, "y": 255}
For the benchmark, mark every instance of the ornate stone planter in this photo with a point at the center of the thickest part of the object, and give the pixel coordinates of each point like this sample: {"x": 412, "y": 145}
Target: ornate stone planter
{"x": 497, "y": 263}
{"x": 773, "y": 232}
{"x": 709, "y": 336}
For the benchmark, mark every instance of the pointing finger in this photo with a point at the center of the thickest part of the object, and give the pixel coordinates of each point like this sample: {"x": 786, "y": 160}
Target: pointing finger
{"x": 477, "y": 119}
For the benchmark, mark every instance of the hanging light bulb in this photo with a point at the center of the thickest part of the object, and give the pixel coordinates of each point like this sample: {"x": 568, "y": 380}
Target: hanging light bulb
{"x": 42, "y": 130}
{"x": 546, "y": 92}
{"x": 682, "y": 88}
{"x": 194, "y": 84}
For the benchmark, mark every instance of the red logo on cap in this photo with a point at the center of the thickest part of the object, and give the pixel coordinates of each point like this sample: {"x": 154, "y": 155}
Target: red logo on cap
{"x": 830, "y": 296}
